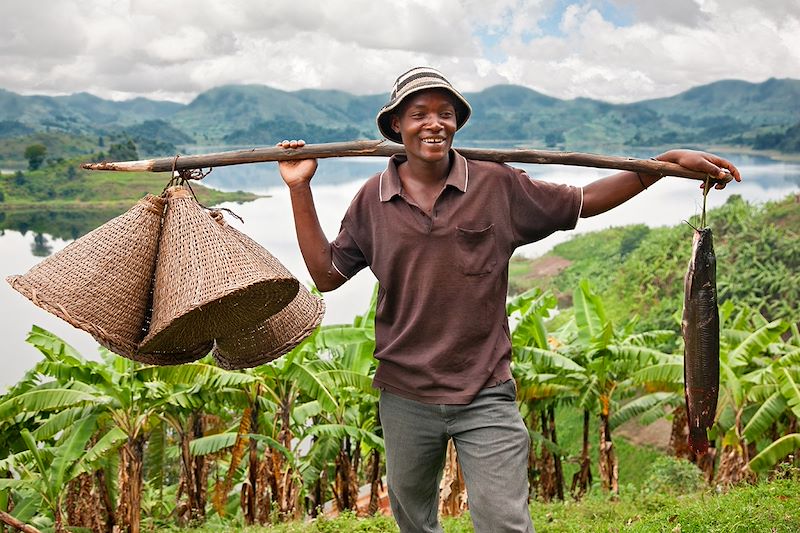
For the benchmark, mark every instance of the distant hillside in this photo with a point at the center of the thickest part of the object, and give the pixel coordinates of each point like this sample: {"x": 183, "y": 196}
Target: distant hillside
{"x": 730, "y": 112}
{"x": 232, "y": 109}
{"x": 771, "y": 102}
{"x": 510, "y": 112}
{"x": 639, "y": 270}
{"x": 787, "y": 141}
{"x": 79, "y": 113}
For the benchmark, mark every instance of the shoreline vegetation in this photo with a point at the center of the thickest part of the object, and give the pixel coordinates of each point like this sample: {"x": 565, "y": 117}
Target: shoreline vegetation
{"x": 62, "y": 185}
{"x": 63, "y": 201}
{"x": 206, "y": 195}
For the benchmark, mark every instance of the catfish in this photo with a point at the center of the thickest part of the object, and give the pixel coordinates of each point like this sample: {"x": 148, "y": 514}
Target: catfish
{"x": 700, "y": 328}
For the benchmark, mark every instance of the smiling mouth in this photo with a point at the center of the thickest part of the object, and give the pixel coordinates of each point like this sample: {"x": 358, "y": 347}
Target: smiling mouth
{"x": 433, "y": 140}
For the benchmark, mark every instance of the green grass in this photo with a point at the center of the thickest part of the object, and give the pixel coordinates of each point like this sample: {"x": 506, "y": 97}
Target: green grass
{"x": 65, "y": 184}
{"x": 771, "y": 506}
{"x": 765, "y": 507}
{"x": 747, "y": 508}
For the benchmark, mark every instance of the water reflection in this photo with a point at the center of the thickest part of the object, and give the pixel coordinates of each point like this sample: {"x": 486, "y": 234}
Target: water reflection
{"x": 60, "y": 224}
{"x": 41, "y": 246}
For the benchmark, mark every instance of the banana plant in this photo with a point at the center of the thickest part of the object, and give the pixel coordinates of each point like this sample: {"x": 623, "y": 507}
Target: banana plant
{"x": 755, "y": 387}
{"x": 268, "y": 428}
{"x": 750, "y": 399}
{"x": 610, "y": 357}
{"x": 312, "y": 408}
{"x": 127, "y": 399}
{"x": 540, "y": 374}
{"x": 591, "y": 364}
{"x": 47, "y": 471}
{"x": 783, "y": 389}
{"x": 346, "y": 429}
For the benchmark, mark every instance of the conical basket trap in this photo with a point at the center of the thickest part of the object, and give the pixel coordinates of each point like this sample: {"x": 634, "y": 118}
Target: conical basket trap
{"x": 207, "y": 283}
{"x": 101, "y": 282}
{"x": 276, "y": 336}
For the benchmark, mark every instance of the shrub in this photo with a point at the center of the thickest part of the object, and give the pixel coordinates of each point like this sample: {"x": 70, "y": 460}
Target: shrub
{"x": 669, "y": 475}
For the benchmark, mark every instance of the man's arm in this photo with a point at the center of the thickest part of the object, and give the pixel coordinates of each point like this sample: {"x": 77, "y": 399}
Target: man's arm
{"x": 607, "y": 193}
{"x": 314, "y": 245}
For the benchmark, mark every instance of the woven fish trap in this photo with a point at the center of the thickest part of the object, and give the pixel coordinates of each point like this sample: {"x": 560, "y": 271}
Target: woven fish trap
{"x": 101, "y": 282}
{"x": 277, "y": 335}
{"x": 207, "y": 283}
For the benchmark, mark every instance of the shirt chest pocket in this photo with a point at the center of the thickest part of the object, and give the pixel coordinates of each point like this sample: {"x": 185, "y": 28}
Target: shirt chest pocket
{"x": 476, "y": 250}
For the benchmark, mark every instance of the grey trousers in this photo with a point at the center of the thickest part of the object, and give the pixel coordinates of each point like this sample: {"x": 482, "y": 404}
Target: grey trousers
{"x": 492, "y": 443}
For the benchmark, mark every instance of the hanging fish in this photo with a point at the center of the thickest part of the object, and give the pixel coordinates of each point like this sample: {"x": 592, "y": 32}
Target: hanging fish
{"x": 700, "y": 327}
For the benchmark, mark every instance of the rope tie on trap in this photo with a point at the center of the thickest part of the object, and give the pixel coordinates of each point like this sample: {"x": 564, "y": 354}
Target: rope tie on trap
{"x": 183, "y": 177}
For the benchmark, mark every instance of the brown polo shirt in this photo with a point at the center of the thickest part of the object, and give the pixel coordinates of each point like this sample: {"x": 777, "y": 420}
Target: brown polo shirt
{"x": 441, "y": 330}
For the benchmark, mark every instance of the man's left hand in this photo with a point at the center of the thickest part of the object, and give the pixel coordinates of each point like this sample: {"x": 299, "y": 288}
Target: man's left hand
{"x": 721, "y": 170}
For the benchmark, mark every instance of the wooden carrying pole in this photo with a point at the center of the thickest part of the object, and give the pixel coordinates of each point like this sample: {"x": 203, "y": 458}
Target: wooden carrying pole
{"x": 381, "y": 148}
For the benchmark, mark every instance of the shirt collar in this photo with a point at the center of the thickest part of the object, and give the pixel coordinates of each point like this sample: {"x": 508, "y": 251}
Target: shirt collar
{"x": 390, "y": 185}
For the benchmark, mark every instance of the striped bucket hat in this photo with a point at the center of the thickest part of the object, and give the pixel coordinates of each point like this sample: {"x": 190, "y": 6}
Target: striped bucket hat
{"x": 419, "y": 79}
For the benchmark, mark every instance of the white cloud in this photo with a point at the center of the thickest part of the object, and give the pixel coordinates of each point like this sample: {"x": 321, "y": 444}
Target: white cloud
{"x": 652, "y": 57}
{"x": 177, "y": 48}
{"x": 659, "y": 12}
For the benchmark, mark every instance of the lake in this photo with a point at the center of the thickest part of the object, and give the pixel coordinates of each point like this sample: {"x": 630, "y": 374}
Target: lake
{"x": 269, "y": 221}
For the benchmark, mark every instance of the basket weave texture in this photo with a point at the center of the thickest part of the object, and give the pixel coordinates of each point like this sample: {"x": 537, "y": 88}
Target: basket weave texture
{"x": 159, "y": 283}
{"x": 101, "y": 282}
{"x": 207, "y": 283}
{"x": 277, "y": 335}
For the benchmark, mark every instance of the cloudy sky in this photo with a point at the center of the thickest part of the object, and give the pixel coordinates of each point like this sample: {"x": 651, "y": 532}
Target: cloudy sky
{"x": 614, "y": 50}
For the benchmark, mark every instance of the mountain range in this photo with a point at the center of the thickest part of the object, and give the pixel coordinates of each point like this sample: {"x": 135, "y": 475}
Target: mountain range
{"x": 731, "y": 112}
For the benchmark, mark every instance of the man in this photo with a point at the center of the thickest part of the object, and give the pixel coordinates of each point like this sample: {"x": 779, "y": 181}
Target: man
{"x": 438, "y": 231}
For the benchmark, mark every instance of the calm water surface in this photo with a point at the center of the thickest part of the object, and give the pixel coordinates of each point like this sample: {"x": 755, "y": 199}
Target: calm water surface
{"x": 269, "y": 221}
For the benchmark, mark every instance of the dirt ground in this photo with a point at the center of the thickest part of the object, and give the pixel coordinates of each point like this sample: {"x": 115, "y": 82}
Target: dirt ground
{"x": 655, "y": 435}
{"x": 548, "y": 266}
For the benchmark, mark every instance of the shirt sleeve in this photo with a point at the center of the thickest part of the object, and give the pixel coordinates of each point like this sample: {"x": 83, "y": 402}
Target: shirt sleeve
{"x": 539, "y": 208}
{"x": 346, "y": 256}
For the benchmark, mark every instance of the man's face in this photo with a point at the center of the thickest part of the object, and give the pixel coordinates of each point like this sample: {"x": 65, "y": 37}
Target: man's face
{"x": 426, "y": 122}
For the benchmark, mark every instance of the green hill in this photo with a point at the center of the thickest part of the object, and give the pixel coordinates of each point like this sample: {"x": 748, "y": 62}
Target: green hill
{"x": 728, "y": 112}
{"x": 80, "y": 113}
{"x": 505, "y": 112}
{"x": 787, "y": 141}
{"x": 156, "y": 137}
{"x": 639, "y": 270}
{"x": 232, "y": 109}
{"x": 771, "y": 102}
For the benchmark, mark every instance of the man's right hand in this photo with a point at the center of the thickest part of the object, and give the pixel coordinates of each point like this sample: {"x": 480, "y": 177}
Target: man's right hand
{"x": 297, "y": 172}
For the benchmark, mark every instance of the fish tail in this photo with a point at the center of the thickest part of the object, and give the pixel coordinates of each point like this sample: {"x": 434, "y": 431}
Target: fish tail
{"x": 698, "y": 440}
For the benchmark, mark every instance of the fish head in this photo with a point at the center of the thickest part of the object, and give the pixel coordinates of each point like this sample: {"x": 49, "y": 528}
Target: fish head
{"x": 705, "y": 261}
